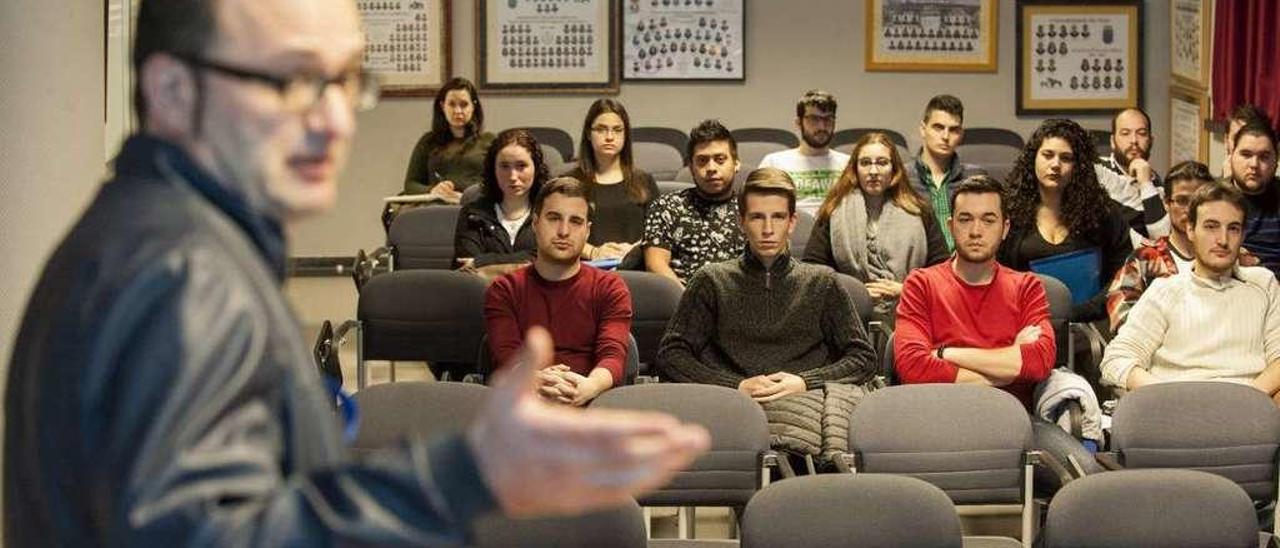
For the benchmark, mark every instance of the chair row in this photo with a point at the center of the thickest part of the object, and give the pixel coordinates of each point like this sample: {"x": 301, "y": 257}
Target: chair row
{"x": 972, "y": 444}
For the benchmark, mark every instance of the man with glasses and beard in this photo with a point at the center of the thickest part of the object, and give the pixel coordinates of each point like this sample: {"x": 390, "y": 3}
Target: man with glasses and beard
{"x": 1128, "y": 177}
{"x": 937, "y": 169}
{"x": 813, "y": 166}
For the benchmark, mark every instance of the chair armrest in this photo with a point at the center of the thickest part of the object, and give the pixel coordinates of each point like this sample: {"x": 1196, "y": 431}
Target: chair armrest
{"x": 1097, "y": 344}
{"x": 845, "y": 462}
{"x": 771, "y": 459}
{"x": 1048, "y": 461}
{"x": 1108, "y": 460}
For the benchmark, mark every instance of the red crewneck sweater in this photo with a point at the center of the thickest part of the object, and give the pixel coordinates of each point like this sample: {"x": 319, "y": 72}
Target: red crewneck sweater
{"x": 588, "y": 315}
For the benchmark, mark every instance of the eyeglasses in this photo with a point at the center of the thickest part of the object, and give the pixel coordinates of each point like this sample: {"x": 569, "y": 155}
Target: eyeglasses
{"x": 301, "y": 92}
{"x": 606, "y": 130}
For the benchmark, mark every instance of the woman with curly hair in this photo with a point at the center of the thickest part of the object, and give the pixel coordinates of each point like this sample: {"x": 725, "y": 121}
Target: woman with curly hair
{"x": 496, "y": 229}
{"x": 1057, "y": 206}
{"x": 874, "y": 226}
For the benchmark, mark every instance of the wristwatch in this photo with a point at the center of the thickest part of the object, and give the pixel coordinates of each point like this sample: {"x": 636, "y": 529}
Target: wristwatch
{"x": 938, "y": 353}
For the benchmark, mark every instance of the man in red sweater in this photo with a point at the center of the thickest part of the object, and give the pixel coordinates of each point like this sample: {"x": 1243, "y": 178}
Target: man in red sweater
{"x": 587, "y": 310}
{"x": 971, "y": 319}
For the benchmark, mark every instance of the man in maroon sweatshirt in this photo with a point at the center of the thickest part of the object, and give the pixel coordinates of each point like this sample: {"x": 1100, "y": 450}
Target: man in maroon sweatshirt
{"x": 971, "y": 319}
{"x": 587, "y": 310}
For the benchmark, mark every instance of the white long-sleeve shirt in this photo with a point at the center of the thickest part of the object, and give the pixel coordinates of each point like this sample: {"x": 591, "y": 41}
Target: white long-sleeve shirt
{"x": 1188, "y": 328}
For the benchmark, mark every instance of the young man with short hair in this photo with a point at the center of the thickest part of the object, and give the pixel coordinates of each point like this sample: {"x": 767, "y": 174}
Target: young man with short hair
{"x": 937, "y": 169}
{"x": 586, "y": 310}
{"x": 1253, "y": 173}
{"x": 1218, "y": 321}
{"x": 1128, "y": 177}
{"x": 813, "y": 166}
{"x": 1244, "y": 114}
{"x": 971, "y": 319}
{"x": 687, "y": 229}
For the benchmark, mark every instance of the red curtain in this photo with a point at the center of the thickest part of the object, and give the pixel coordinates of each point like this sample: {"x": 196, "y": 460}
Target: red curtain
{"x": 1246, "y": 56}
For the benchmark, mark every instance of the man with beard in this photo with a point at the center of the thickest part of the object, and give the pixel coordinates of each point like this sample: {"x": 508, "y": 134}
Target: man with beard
{"x": 587, "y": 310}
{"x": 813, "y": 166}
{"x": 1220, "y": 321}
{"x": 1129, "y": 178}
{"x": 695, "y": 226}
{"x": 971, "y": 319}
{"x": 1243, "y": 115}
{"x": 1253, "y": 173}
{"x": 937, "y": 169}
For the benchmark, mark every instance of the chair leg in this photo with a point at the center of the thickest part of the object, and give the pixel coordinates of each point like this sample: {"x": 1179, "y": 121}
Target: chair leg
{"x": 686, "y": 522}
{"x": 393, "y": 371}
{"x": 648, "y": 522}
{"x": 1027, "y": 503}
{"x": 361, "y": 373}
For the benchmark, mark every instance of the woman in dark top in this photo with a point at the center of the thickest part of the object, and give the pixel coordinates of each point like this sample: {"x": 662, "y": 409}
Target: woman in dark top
{"x": 450, "y": 157}
{"x": 1057, "y": 206}
{"x": 874, "y": 226}
{"x": 620, "y": 192}
{"x": 496, "y": 230}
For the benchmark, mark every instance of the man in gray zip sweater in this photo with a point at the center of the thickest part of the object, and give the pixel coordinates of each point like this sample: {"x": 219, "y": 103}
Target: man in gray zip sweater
{"x": 765, "y": 323}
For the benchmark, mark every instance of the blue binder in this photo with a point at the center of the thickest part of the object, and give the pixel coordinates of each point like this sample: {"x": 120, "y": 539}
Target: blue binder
{"x": 1081, "y": 271}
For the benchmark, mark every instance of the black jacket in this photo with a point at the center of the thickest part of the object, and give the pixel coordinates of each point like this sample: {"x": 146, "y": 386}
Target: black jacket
{"x": 479, "y": 235}
{"x": 159, "y": 394}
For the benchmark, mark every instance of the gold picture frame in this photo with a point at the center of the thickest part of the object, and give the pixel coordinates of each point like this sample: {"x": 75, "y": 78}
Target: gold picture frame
{"x": 1190, "y": 41}
{"x": 906, "y": 36}
{"x": 1188, "y": 134}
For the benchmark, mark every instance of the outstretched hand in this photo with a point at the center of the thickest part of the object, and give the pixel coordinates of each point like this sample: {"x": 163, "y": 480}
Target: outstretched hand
{"x": 541, "y": 459}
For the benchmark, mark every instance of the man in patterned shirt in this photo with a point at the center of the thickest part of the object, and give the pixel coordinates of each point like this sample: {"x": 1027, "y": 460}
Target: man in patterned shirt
{"x": 690, "y": 228}
{"x": 1128, "y": 177}
{"x": 1164, "y": 256}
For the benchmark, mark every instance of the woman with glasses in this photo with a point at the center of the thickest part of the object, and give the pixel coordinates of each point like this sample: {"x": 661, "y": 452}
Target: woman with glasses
{"x": 495, "y": 232}
{"x": 450, "y": 157}
{"x": 619, "y": 191}
{"x": 1057, "y": 207}
{"x": 874, "y": 226}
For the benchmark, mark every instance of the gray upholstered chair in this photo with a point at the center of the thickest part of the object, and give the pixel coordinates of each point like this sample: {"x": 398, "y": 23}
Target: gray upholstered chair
{"x": 436, "y": 316}
{"x": 739, "y": 460}
{"x": 974, "y": 442}
{"x": 800, "y": 236}
{"x": 654, "y": 300}
{"x": 1140, "y": 508}
{"x": 659, "y": 150}
{"x": 621, "y": 527}
{"x": 422, "y": 237}
{"x": 873, "y": 510}
{"x": 390, "y": 412}
{"x": 1228, "y": 429}
{"x": 994, "y": 149}
{"x": 878, "y": 333}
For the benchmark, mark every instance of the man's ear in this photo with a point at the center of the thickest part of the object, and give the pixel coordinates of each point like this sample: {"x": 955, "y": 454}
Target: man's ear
{"x": 169, "y": 87}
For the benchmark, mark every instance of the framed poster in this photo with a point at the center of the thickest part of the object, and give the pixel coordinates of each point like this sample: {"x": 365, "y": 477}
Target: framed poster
{"x": 947, "y": 35}
{"x": 1188, "y": 136}
{"x": 1189, "y": 42}
{"x": 1083, "y": 57}
{"x": 534, "y": 46}
{"x": 693, "y": 40}
{"x": 407, "y": 44}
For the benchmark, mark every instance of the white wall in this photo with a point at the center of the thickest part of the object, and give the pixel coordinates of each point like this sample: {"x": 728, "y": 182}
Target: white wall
{"x": 792, "y": 46}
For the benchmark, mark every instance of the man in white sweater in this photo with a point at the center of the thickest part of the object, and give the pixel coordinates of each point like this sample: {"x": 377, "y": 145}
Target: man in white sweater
{"x": 1218, "y": 321}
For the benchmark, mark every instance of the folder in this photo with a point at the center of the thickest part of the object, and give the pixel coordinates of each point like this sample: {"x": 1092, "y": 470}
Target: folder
{"x": 1081, "y": 271}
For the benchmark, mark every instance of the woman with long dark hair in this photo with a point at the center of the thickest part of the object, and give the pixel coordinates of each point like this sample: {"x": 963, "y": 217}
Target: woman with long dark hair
{"x": 1057, "y": 206}
{"x": 450, "y": 157}
{"x": 874, "y": 226}
{"x": 620, "y": 192}
{"x": 497, "y": 228}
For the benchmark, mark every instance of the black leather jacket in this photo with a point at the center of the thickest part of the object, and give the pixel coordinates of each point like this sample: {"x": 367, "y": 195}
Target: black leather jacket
{"x": 479, "y": 235}
{"x": 159, "y": 393}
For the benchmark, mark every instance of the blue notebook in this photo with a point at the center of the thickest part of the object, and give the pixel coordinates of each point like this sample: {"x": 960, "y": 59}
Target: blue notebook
{"x": 605, "y": 264}
{"x": 1079, "y": 270}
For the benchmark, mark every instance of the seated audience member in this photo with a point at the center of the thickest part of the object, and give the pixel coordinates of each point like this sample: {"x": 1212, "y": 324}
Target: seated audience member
{"x": 495, "y": 233}
{"x": 586, "y": 310}
{"x": 1128, "y": 177}
{"x": 450, "y": 157}
{"x": 1165, "y": 256}
{"x": 695, "y": 226}
{"x": 1253, "y": 172}
{"x": 937, "y": 169}
{"x": 1218, "y": 321}
{"x": 1056, "y": 206}
{"x": 874, "y": 226}
{"x": 971, "y": 319}
{"x": 765, "y": 323}
{"x": 1243, "y": 115}
{"x": 814, "y": 165}
{"x": 619, "y": 191}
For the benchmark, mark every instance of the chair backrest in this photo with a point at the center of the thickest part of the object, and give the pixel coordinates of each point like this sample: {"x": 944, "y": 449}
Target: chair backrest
{"x": 800, "y": 237}
{"x": 428, "y": 315}
{"x": 554, "y": 139}
{"x": 1138, "y": 508}
{"x": 390, "y": 412}
{"x": 422, "y": 237}
{"x": 729, "y": 473}
{"x": 471, "y": 194}
{"x": 659, "y": 150}
{"x": 858, "y": 292}
{"x": 667, "y": 187}
{"x": 845, "y": 138}
{"x": 654, "y": 300}
{"x": 630, "y": 368}
{"x": 968, "y": 440}
{"x": 621, "y": 527}
{"x": 995, "y": 149}
{"x": 1059, "y": 297}
{"x": 1228, "y": 429}
{"x": 754, "y": 143}
{"x": 850, "y": 510}
{"x": 1101, "y": 142}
